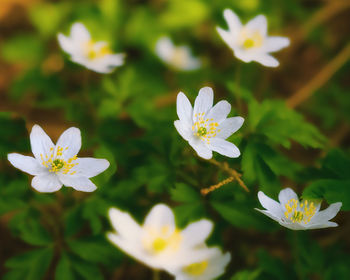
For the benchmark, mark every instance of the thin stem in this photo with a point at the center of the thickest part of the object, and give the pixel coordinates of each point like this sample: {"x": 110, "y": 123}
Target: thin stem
{"x": 320, "y": 79}
{"x": 217, "y": 186}
{"x": 233, "y": 173}
{"x": 156, "y": 275}
{"x": 237, "y": 82}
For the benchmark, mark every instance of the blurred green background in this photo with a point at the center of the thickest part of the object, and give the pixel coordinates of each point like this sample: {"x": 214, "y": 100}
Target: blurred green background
{"x": 296, "y": 134}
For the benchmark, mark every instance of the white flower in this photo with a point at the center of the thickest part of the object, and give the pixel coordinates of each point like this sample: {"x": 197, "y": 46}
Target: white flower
{"x": 57, "y": 165}
{"x": 96, "y": 56}
{"x": 206, "y": 127}
{"x": 210, "y": 267}
{"x": 158, "y": 243}
{"x": 179, "y": 57}
{"x": 250, "y": 42}
{"x": 295, "y": 214}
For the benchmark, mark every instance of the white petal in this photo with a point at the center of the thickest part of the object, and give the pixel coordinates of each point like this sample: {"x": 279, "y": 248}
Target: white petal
{"x": 229, "y": 126}
{"x": 165, "y": 48}
{"x": 70, "y": 141}
{"x": 327, "y": 214}
{"x": 285, "y": 195}
{"x": 271, "y": 205}
{"x": 293, "y": 226}
{"x": 226, "y": 36}
{"x": 259, "y": 23}
{"x": 202, "y": 150}
{"x": 192, "y": 63}
{"x": 203, "y": 102}
{"x": 245, "y": 55}
{"x": 183, "y": 130}
{"x": 219, "y": 112}
{"x": 40, "y": 142}
{"x": 233, "y": 22}
{"x": 267, "y": 60}
{"x": 197, "y": 232}
{"x": 275, "y": 43}
{"x": 224, "y": 147}
{"x": 133, "y": 250}
{"x": 65, "y": 43}
{"x": 270, "y": 215}
{"x": 184, "y": 109}
{"x": 90, "y": 167}
{"x": 115, "y": 59}
{"x": 27, "y": 164}
{"x": 78, "y": 183}
{"x": 79, "y": 33}
{"x": 124, "y": 224}
{"x": 46, "y": 183}
{"x": 159, "y": 216}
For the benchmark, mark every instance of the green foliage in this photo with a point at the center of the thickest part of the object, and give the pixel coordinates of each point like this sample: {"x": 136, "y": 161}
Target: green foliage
{"x": 127, "y": 118}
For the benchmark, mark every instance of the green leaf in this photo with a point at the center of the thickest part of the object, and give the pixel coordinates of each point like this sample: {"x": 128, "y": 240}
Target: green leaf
{"x": 13, "y": 49}
{"x": 242, "y": 216}
{"x": 34, "y": 264}
{"x": 87, "y": 270}
{"x": 64, "y": 270}
{"x": 330, "y": 190}
{"x": 95, "y": 250}
{"x": 246, "y": 275}
{"x": 184, "y": 193}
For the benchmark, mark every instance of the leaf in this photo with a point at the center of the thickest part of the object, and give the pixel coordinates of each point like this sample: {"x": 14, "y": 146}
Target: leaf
{"x": 246, "y": 275}
{"x": 95, "y": 250}
{"x": 87, "y": 270}
{"x": 64, "y": 270}
{"x": 184, "y": 193}
{"x": 330, "y": 190}
{"x": 104, "y": 152}
{"x": 34, "y": 264}
{"x": 242, "y": 216}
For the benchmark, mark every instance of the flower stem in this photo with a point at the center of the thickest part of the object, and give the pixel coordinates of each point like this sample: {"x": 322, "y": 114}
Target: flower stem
{"x": 156, "y": 275}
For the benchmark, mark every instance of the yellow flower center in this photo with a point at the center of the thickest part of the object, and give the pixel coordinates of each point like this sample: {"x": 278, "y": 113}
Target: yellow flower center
{"x": 158, "y": 241}
{"x": 196, "y": 269}
{"x": 178, "y": 57}
{"x": 249, "y": 41}
{"x": 159, "y": 245}
{"x": 92, "y": 52}
{"x": 299, "y": 212}
{"x": 56, "y": 164}
{"x": 205, "y": 128}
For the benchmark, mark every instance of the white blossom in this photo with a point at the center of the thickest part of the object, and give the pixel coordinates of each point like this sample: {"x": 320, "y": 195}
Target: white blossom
{"x": 55, "y": 165}
{"x": 158, "y": 243}
{"x": 298, "y": 215}
{"x": 178, "y": 57}
{"x": 250, "y": 42}
{"x": 96, "y": 56}
{"x": 206, "y": 127}
{"x": 211, "y": 266}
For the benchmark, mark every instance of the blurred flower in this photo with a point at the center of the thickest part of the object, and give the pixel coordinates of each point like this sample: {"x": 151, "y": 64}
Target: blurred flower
{"x": 158, "y": 243}
{"x": 178, "y": 57}
{"x": 210, "y": 267}
{"x": 57, "y": 165}
{"x": 250, "y": 42}
{"x": 296, "y": 215}
{"x": 206, "y": 127}
{"x": 96, "y": 56}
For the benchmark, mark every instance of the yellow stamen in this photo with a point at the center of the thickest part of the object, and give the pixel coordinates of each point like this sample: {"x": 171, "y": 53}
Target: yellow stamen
{"x": 196, "y": 269}
{"x": 299, "y": 212}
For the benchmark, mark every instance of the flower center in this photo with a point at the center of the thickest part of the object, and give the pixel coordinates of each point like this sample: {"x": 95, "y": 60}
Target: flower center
{"x": 196, "y": 269}
{"x": 94, "y": 52}
{"x": 56, "y": 164}
{"x": 204, "y": 128}
{"x": 299, "y": 212}
{"x": 249, "y": 41}
{"x": 178, "y": 57}
{"x": 158, "y": 241}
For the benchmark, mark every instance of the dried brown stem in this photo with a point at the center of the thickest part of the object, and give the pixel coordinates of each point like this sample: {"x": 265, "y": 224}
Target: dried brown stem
{"x": 233, "y": 173}
{"x": 320, "y": 79}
